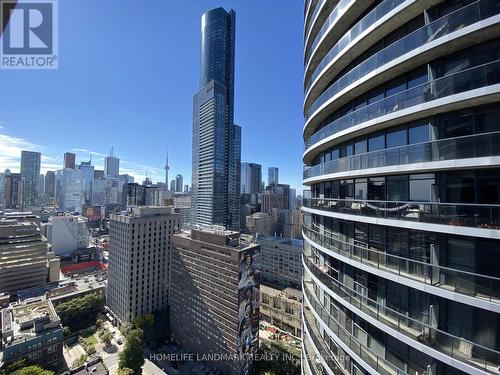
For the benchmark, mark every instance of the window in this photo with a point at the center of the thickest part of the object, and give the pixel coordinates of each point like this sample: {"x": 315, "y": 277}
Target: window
{"x": 396, "y": 137}
{"x": 421, "y": 187}
{"x": 418, "y": 133}
{"x": 376, "y": 188}
{"x": 346, "y": 189}
{"x": 360, "y": 146}
{"x": 361, "y": 189}
{"x": 397, "y": 188}
{"x": 376, "y": 142}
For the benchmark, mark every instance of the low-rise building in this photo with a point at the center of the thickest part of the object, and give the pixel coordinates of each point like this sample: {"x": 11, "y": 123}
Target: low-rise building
{"x": 32, "y": 331}
{"x": 281, "y": 307}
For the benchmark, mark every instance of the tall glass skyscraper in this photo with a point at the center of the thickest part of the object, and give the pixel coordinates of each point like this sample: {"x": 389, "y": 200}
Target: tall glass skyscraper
{"x": 216, "y": 139}
{"x": 402, "y": 155}
{"x": 30, "y": 171}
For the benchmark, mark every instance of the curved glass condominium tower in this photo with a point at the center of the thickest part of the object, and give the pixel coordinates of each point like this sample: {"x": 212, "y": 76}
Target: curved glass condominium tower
{"x": 402, "y": 159}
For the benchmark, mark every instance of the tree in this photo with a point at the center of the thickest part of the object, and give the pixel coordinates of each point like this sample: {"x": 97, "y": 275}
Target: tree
{"x": 80, "y": 309}
{"x": 124, "y": 371}
{"x": 106, "y": 337}
{"x": 66, "y": 331}
{"x": 127, "y": 328}
{"x": 32, "y": 370}
{"x": 79, "y": 361}
{"x": 132, "y": 356}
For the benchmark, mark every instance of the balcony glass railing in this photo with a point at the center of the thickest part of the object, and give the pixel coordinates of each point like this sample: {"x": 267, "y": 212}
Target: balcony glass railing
{"x": 367, "y": 21}
{"x": 317, "y": 7}
{"x": 466, "y": 80}
{"x": 326, "y": 354}
{"x": 483, "y": 287}
{"x": 471, "y": 146}
{"x": 331, "y": 19}
{"x": 460, "y": 214}
{"x": 375, "y": 361}
{"x": 457, "y": 20}
{"x": 453, "y": 346}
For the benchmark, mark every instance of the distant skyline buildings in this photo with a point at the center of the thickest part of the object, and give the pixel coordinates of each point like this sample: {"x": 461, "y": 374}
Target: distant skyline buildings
{"x": 111, "y": 165}
{"x": 30, "y": 171}
{"x": 273, "y": 174}
{"x": 178, "y": 183}
{"x": 251, "y": 178}
{"x": 69, "y": 160}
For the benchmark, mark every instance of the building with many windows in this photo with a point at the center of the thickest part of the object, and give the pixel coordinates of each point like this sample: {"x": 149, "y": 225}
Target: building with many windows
{"x": 402, "y": 155}
{"x": 140, "y": 247}
{"x": 30, "y": 171}
{"x": 216, "y": 139}
{"x": 32, "y": 331}
{"x": 215, "y": 296}
{"x": 281, "y": 261}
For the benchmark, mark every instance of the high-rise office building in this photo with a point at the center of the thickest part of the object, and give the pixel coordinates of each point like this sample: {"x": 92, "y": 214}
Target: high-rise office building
{"x": 87, "y": 170}
{"x": 172, "y": 186}
{"x": 111, "y": 165}
{"x": 41, "y": 185}
{"x": 251, "y": 178}
{"x": 69, "y": 189}
{"x": 69, "y": 160}
{"x": 215, "y": 294}
{"x": 178, "y": 183}
{"x": 216, "y": 139}
{"x": 30, "y": 171}
{"x": 402, "y": 155}
{"x": 140, "y": 247}
{"x": 50, "y": 184}
{"x": 273, "y": 176}
{"x": 14, "y": 191}
{"x": 2, "y": 188}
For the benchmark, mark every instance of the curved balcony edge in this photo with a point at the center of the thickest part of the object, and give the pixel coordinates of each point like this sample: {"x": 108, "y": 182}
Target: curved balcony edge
{"x": 435, "y": 353}
{"x": 409, "y": 224}
{"x": 413, "y": 282}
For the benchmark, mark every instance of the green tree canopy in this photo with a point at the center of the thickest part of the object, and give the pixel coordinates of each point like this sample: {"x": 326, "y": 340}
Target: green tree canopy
{"x": 132, "y": 356}
{"x": 79, "y": 309}
{"x": 32, "y": 370}
{"x": 125, "y": 371}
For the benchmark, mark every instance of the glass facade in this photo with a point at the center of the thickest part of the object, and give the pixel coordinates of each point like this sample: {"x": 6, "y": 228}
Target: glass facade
{"x": 216, "y": 139}
{"x": 402, "y": 220}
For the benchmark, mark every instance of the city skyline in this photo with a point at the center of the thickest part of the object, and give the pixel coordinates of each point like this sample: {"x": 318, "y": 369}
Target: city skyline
{"x": 107, "y": 120}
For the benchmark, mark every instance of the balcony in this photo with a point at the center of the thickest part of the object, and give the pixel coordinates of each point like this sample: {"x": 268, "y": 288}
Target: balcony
{"x": 485, "y": 216}
{"x": 466, "y": 283}
{"x": 363, "y": 352}
{"x": 455, "y": 347}
{"x": 367, "y": 21}
{"x": 329, "y": 21}
{"x": 319, "y": 4}
{"x": 443, "y": 26}
{"x": 466, "y": 80}
{"x": 471, "y": 146}
{"x": 330, "y": 357}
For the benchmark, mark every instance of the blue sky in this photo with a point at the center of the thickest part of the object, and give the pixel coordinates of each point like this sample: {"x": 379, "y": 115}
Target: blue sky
{"x": 127, "y": 73}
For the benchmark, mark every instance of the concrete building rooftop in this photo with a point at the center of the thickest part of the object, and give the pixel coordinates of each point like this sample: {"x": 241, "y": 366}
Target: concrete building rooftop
{"x": 26, "y": 320}
{"x": 218, "y": 235}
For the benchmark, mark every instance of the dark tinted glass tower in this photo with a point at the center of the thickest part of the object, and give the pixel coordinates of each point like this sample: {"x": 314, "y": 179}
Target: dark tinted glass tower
{"x": 216, "y": 140}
